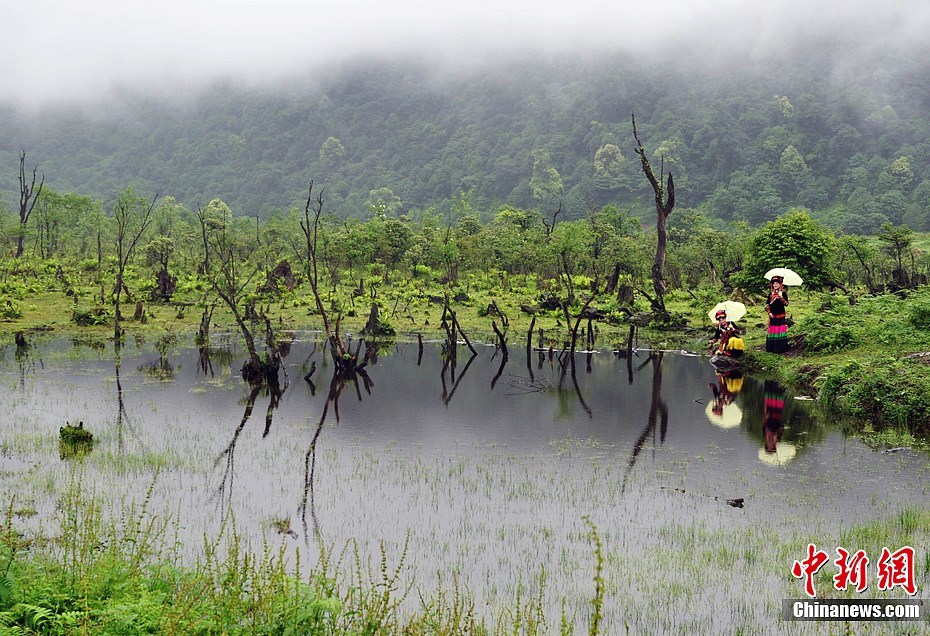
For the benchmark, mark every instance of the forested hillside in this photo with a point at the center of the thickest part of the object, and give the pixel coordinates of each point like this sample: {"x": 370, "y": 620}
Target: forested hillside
{"x": 851, "y": 146}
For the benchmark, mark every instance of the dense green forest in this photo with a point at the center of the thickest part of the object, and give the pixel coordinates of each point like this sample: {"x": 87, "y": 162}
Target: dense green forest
{"x": 750, "y": 144}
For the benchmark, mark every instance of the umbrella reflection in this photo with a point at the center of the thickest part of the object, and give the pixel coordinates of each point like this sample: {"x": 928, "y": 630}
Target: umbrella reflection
{"x": 722, "y": 410}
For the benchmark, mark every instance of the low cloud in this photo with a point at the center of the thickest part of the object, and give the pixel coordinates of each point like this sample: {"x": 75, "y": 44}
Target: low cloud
{"x": 63, "y": 51}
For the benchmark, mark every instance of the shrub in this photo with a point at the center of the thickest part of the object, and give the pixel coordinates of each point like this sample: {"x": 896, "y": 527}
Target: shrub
{"x": 9, "y": 310}
{"x": 831, "y": 338}
{"x": 919, "y": 316}
{"x": 91, "y": 317}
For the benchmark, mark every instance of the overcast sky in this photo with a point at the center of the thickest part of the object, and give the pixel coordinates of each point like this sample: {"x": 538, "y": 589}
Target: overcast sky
{"x": 52, "y": 50}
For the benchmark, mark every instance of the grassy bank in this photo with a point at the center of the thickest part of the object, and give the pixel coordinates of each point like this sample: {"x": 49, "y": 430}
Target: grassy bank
{"x": 865, "y": 360}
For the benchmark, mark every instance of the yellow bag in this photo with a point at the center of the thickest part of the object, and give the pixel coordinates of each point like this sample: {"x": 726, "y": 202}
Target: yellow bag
{"x": 735, "y": 344}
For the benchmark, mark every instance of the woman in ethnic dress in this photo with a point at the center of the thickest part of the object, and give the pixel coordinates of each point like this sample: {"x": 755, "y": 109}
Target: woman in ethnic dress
{"x": 777, "y": 339}
{"x": 726, "y": 329}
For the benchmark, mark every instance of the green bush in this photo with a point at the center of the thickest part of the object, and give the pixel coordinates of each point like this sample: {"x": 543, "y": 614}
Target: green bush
{"x": 831, "y": 338}
{"x": 91, "y": 317}
{"x": 10, "y": 310}
{"x": 886, "y": 391}
{"x": 13, "y": 289}
{"x": 919, "y": 315}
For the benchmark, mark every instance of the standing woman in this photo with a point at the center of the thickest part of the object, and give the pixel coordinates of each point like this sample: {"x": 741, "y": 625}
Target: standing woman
{"x": 777, "y": 339}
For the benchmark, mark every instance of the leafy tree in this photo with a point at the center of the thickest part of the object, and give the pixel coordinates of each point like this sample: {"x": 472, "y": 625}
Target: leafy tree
{"x": 793, "y": 240}
{"x": 332, "y": 152}
{"x": 856, "y": 260}
{"x": 569, "y": 252}
{"x": 892, "y": 205}
{"x": 863, "y": 215}
{"x": 383, "y": 202}
{"x": 793, "y": 171}
{"x": 546, "y": 181}
{"x": 50, "y": 215}
{"x": 685, "y": 225}
{"x": 902, "y": 173}
{"x": 896, "y": 242}
{"x": 608, "y": 167}
{"x": 391, "y": 237}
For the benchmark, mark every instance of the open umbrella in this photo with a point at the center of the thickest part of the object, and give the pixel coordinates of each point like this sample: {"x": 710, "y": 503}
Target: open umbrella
{"x": 784, "y": 453}
{"x": 789, "y": 277}
{"x": 734, "y": 310}
{"x": 730, "y": 417}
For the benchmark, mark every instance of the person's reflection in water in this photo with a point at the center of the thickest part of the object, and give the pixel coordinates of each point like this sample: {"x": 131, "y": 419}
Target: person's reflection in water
{"x": 773, "y": 421}
{"x": 726, "y": 389}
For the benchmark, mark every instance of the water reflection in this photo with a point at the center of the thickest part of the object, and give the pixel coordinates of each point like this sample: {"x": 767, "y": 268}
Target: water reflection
{"x": 274, "y": 391}
{"x": 774, "y": 451}
{"x": 658, "y": 416}
{"x": 484, "y": 483}
{"x": 722, "y": 410}
{"x": 782, "y": 427}
{"x": 336, "y": 386}
{"x": 448, "y": 365}
{"x": 161, "y": 370}
{"x": 22, "y": 357}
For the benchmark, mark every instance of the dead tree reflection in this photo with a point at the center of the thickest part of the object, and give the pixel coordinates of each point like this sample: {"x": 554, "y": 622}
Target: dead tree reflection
{"x": 529, "y": 349}
{"x": 566, "y": 360}
{"x": 446, "y": 394}
{"x": 581, "y": 400}
{"x": 208, "y": 355}
{"x": 502, "y": 348}
{"x": 24, "y": 358}
{"x": 658, "y": 416}
{"x": 161, "y": 369}
{"x": 341, "y": 378}
{"x": 451, "y": 326}
{"x": 123, "y": 422}
{"x": 274, "y": 391}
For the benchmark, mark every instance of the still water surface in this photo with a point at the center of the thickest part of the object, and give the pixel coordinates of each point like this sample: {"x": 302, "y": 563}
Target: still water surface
{"x": 486, "y": 469}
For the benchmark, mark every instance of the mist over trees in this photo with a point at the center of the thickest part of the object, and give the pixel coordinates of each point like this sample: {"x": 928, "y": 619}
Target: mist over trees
{"x": 744, "y": 145}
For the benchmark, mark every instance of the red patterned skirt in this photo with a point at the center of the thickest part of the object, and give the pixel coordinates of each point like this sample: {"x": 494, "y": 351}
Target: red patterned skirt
{"x": 777, "y": 339}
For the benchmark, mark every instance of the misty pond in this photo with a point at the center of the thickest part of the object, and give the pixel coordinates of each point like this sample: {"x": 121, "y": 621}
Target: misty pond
{"x": 485, "y": 470}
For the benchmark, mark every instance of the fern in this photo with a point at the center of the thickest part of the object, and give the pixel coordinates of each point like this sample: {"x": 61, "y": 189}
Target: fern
{"x": 7, "y": 585}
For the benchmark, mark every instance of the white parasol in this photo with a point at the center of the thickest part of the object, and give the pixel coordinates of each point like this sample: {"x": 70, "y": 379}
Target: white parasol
{"x": 734, "y": 310}
{"x": 789, "y": 277}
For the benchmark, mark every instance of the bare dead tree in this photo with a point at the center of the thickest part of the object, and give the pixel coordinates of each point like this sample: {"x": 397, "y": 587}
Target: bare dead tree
{"x": 28, "y": 195}
{"x": 665, "y": 203}
{"x": 126, "y": 212}
{"x": 551, "y": 226}
{"x": 229, "y": 286}
{"x": 310, "y": 224}
{"x": 202, "y": 219}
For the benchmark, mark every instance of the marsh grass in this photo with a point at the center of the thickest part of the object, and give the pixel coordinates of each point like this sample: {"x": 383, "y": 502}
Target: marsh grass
{"x": 109, "y": 570}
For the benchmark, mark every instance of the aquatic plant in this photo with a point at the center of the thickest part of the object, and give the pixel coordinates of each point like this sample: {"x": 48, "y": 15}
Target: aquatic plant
{"x": 74, "y": 441}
